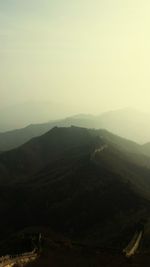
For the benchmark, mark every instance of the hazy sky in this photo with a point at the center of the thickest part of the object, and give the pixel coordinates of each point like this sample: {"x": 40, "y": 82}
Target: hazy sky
{"x": 92, "y": 54}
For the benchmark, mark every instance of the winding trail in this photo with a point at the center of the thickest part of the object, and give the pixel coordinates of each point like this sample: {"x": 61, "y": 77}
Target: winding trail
{"x": 11, "y": 260}
{"x": 133, "y": 246}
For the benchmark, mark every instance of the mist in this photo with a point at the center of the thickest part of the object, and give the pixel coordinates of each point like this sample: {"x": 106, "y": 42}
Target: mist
{"x": 79, "y": 56}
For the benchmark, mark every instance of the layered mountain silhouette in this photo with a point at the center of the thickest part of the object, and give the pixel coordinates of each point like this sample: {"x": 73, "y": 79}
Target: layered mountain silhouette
{"x": 89, "y": 184}
{"x": 128, "y": 123}
{"x": 19, "y": 115}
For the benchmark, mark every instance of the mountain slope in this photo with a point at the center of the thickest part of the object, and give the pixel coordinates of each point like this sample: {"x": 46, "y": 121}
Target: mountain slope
{"x": 77, "y": 182}
{"x": 15, "y": 138}
{"x": 127, "y": 123}
{"x": 80, "y": 197}
{"x": 33, "y": 155}
{"x": 39, "y": 151}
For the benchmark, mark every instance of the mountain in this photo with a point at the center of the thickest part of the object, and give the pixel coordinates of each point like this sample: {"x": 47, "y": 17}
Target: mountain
{"x": 20, "y": 115}
{"x": 15, "y": 138}
{"x": 128, "y": 123}
{"x": 79, "y": 182}
{"x": 33, "y": 155}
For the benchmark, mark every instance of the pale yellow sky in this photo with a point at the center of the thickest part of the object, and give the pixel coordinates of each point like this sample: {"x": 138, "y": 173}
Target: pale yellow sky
{"x": 94, "y": 55}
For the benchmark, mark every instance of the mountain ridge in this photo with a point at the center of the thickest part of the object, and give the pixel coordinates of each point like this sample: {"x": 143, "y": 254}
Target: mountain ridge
{"x": 120, "y": 123}
{"x": 77, "y": 181}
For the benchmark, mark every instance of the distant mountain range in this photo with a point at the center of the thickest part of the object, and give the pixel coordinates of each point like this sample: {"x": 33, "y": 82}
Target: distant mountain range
{"x": 88, "y": 184}
{"x": 19, "y": 115}
{"x": 128, "y": 123}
